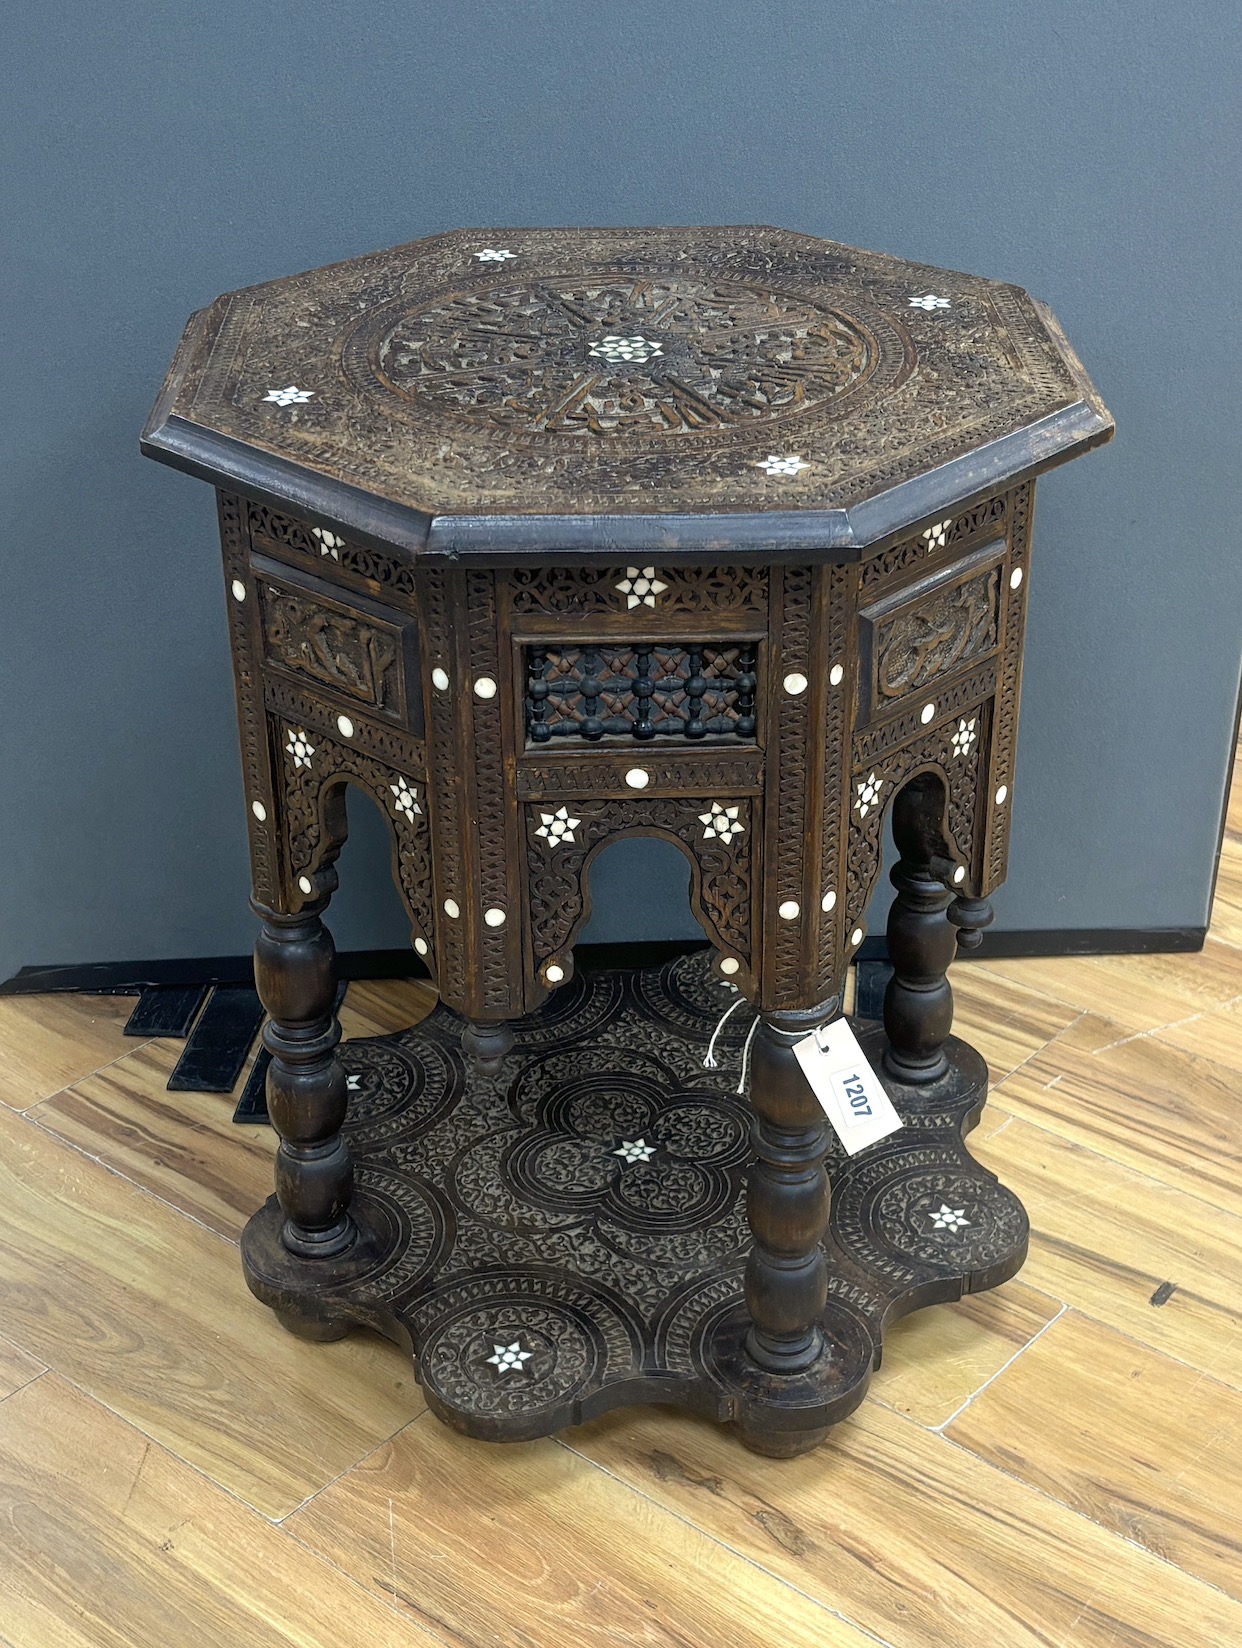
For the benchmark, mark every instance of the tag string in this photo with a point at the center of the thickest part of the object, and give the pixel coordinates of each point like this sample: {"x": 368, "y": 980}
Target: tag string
{"x": 711, "y": 1062}
{"x": 741, "y": 1086}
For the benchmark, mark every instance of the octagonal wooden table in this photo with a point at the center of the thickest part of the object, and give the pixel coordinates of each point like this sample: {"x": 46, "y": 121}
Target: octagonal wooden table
{"x": 545, "y": 538}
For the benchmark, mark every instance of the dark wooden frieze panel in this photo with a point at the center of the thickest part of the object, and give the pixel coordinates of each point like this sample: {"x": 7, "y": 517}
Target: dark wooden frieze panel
{"x": 543, "y": 539}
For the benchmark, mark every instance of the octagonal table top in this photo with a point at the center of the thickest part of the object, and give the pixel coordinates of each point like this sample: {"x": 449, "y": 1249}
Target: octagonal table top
{"x": 515, "y": 393}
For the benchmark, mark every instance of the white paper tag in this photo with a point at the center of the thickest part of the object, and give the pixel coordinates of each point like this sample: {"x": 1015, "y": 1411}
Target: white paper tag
{"x": 850, "y": 1093}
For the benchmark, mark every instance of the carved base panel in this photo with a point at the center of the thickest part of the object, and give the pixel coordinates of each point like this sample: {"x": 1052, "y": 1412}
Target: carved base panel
{"x": 568, "y": 1234}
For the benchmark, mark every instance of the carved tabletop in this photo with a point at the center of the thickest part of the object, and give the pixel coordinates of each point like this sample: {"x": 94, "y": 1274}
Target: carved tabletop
{"x": 540, "y": 538}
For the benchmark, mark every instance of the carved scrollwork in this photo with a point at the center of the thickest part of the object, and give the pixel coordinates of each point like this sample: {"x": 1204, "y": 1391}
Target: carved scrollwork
{"x": 338, "y": 649}
{"x": 931, "y": 637}
{"x": 884, "y": 735}
{"x": 722, "y": 855}
{"x": 312, "y": 779}
{"x": 688, "y": 591}
{"x": 387, "y": 743}
{"x": 946, "y": 535}
{"x": 269, "y": 529}
{"x": 1005, "y": 737}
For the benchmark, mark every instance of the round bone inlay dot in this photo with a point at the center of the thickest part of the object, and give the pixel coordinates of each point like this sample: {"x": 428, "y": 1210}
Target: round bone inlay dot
{"x": 553, "y": 974}
{"x": 959, "y": 875}
{"x": 1001, "y": 795}
{"x": 452, "y": 909}
{"x": 420, "y": 944}
{"x": 856, "y": 937}
{"x": 494, "y": 918}
{"x": 638, "y": 778}
{"x": 730, "y": 964}
{"x": 795, "y": 683}
{"x": 306, "y": 884}
{"x": 439, "y": 679}
{"x": 927, "y": 713}
{"x": 344, "y": 726}
{"x": 239, "y": 590}
{"x": 485, "y": 687}
{"x": 1015, "y": 577}
{"x": 259, "y": 811}
{"x": 836, "y": 675}
{"x": 828, "y": 902}
{"x": 788, "y": 911}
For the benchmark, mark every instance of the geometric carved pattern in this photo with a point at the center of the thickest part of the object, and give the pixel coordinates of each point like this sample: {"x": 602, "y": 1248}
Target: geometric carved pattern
{"x": 265, "y": 877}
{"x": 315, "y": 829}
{"x": 874, "y": 740}
{"x": 443, "y": 748}
{"x": 918, "y": 551}
{"x": 490, "y": 835}
{"x": 830, "y": 953}
{"x": 1003, "y": 743}
{"x": 944, "y": 630}
{"x": 640, "y": 691}
{"x": 785, "y": 941}
{"x": 580, "y": 590}
{"x": 270, "y": 529}
{"x": 516, "y": 1219}
{"x": 721, "y": 893}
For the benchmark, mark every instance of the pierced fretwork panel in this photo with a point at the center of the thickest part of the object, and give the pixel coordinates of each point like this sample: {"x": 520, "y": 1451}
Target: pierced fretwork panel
{"x": 641, "y": 691}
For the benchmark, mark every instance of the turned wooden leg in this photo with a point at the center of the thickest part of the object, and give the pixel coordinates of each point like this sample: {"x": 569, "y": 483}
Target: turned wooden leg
{"x": 918, "y": 1004}
{"x": 970, "y": 916}
{"x": 786, "y": 1200}
{"x": 306, "y": 1093}
{"x": 487, "y": 1043}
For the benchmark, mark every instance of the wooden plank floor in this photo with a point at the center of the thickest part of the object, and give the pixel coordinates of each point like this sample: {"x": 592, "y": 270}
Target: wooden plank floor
{"x": 1057, "y": 1463}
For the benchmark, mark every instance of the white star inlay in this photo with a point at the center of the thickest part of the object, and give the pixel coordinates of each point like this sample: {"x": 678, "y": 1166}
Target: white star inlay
{"x": 329, "y": 543}
{"x": 635, "y": 1150}
{"x": 936, "y": 536}
{"x": 949, "y": 1218}
{"x": 353, "y": 1084}
{"x": 722, "y": 822}
{"x": 557, "y": 826}
{"x": 505, "y": 1357}
{"x": 300, "y": 748}
{"x": 615, "y": 348}
{"x": 964, "y": 737}
{"x": 495, "y": 254}
{"x": 868, "y": 794}
{"x": 291, "y": 395}
{"x": 776, "y": 464}
{"x": 640, "y": 586}
{"x": 405, "y": 798}
{"x": 929, "y": 301}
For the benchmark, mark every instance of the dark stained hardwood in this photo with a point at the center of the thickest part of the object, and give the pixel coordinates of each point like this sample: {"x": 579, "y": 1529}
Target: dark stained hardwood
{"x": 540, "y": 539}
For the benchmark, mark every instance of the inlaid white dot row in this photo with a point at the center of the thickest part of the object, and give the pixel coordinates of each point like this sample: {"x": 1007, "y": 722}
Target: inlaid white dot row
{"x": 795, "y": 683}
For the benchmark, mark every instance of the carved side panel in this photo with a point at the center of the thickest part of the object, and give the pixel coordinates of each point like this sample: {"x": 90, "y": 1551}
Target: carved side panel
{"x": 1005, "y": 736}
{"x": 314, "y": 769}
{"x": 496, "y": 985}
{"x": 443, "y": 747}
{"x": 718, "y": 833}
{"x": 956, "y": 750}
{"x": 792, "y": 811}
{"x": 262, "y": 797}
{"x": 841, "y": 588}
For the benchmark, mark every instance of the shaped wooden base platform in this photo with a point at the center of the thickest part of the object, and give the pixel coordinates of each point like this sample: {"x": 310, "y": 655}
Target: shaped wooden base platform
{"x": 569, "y": 1234}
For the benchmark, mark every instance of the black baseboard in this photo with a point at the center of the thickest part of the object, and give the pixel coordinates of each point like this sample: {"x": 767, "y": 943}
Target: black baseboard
{"x": 128, "y": 977}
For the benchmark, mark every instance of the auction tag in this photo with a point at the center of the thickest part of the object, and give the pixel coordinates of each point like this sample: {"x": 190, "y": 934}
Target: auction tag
{"x": 848, "y": 1089}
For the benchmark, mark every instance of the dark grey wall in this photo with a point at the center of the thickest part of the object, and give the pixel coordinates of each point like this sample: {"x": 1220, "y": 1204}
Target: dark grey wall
{"x": 160, "y": 154}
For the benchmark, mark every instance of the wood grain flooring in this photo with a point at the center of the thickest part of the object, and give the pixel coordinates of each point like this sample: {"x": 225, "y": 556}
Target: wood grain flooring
{"x": 1057, "y": 1464}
